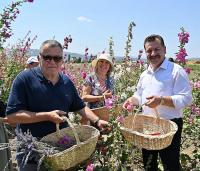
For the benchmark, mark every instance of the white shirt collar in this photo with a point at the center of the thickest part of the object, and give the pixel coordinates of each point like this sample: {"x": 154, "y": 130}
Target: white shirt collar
{"x": 164, "y": 65}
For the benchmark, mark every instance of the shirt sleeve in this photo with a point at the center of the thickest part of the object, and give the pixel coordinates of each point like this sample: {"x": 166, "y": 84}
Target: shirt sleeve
{"x": 138, "y": 93}
{"x": 182, "y": 90}
{"x": 17, "y": 97}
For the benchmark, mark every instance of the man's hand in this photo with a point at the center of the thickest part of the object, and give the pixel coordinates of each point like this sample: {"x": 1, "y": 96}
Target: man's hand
{"x": 153, "y": 101}
{"x": 56, "y": 116}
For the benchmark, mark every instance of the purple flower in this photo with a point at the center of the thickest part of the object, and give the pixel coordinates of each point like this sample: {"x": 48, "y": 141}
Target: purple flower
{"x": 29, "y": 0}
{"x": 183, "y": 37}
{"x": 90, "y": 167}
{"x": 120, "y": 119}
{"x": 196, "y": 85}
{"x": 109, "y": 103}
{"x": 64, "y": 140}
{"x": 188, "y": 70}
{"x": 83, "y": 74}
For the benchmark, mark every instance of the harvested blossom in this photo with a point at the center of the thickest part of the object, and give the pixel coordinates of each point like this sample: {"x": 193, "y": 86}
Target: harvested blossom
{"x": 90, "y": 167}
{"x": 109, "y": 103}
{"x": 83, "y": 74}
{"x": 129, "y": 106}
{"x": 66, "y": 141}
{"x": 120, "y": 119}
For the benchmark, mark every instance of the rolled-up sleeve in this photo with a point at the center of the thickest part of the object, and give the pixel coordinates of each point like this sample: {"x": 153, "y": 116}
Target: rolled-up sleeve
{"x": 182, "y": 90}
{"x": 138, "y": 93}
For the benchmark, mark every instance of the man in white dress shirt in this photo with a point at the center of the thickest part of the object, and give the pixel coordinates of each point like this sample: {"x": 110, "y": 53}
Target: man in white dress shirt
{"x": 164, "y": 85}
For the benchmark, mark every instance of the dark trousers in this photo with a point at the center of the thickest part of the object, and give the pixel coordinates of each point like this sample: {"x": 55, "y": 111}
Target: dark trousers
{"x": 170, "y": 156}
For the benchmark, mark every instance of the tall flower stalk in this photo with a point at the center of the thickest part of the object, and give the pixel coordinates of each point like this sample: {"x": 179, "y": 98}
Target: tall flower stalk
{"x": 183, "y": 40}
{"x": 6, "y": 18}
{"x": 128, "y": 42}
{"x": 111, "y": 51}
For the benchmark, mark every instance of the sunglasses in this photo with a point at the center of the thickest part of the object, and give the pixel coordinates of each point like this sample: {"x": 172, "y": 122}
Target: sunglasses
{"x": 49, "y": 58}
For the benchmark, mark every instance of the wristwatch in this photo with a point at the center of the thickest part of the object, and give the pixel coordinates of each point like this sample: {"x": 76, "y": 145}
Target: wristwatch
{"x": 161, "y": 100}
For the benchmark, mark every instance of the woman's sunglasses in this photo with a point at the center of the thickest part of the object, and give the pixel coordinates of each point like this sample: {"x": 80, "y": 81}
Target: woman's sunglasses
{"x": 49, "y": 58}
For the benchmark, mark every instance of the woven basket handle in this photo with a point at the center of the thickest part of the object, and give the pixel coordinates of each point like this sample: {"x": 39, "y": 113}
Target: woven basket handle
{"x": 72, "y": 127}
{"x": 156, "y": 113}
{"x": 137, "y": 111}
{"x": 104, "y": 100}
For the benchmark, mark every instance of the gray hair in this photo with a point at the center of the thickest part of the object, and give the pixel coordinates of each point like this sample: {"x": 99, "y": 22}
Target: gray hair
{"x": 51, "y": 44}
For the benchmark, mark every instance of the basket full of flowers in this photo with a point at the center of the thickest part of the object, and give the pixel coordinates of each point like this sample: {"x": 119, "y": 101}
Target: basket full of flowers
{"x": 85, "y": 137}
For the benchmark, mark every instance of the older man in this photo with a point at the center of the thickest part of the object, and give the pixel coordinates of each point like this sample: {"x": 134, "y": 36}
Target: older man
{"x": 40, "y": 96}
{"x": 164, "y": 86}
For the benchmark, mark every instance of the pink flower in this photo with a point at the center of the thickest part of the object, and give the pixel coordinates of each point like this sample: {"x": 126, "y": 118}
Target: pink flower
{"x": 188, "y": 70}
{"x": 183, "y": 37}
{"x": 120, "y": 119}
{"x": 109, "y": 103}
{"x": 83, "y": 74}
{"x": 128, "y": 106}
{"x": 29, "y": 0}
{"x": 180, "y": 56}
{"x": 196, "y": 85}
{"x": 90, "y": 167}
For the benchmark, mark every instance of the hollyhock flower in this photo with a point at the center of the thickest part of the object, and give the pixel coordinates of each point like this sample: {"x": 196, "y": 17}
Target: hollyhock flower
{"x": 66, "y": 141}
{"x": 28, "y": 0}
{"x": 183, "y": 37}
{"x": 120, "y": 119}
{"x": 187, "y": 70}
{"x": 83, "y": 74}
{"x": 180, "y": 56}
{"x": 128, "y": 106}
{"x": 191, "y": 119}
{"x": 90, "y": 167}
{"x": 109, "y": 103}
{"x": 196, "y": 85}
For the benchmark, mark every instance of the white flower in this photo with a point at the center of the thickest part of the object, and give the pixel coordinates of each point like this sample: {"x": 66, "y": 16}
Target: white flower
{"x": 123, "y": 96}
{"x": 128, "y": 69}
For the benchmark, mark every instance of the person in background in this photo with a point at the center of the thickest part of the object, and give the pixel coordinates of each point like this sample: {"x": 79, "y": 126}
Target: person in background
{"x": 171, "y": 59}
{"x": 32, "y": 62}
{"x": 40, "y": 96}
{"x": 163, "y": 86}
{"x": 98, "y": 85}
{"x": 5, "y": 154}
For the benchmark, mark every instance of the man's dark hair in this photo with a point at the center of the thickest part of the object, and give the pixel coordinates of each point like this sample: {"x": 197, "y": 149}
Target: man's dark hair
{"x": 152, "y": 38}
{"x": 50, "y": 43}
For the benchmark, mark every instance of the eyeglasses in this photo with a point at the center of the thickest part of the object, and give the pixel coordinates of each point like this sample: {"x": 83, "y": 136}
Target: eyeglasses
{"x": 49, "y": 58}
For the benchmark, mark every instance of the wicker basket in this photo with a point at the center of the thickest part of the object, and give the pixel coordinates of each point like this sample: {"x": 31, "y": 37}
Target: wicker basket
{"x": 148, "y": 132}
{"x": 86, "y": 139}
{"x": 102, "y": 112}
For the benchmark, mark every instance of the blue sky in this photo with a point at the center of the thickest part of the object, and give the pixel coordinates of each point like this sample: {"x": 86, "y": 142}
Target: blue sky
{"x": 92, "y": 22}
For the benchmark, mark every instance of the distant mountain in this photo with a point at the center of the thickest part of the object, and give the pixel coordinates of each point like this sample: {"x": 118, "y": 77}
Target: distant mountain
{"x": 35, "y": 52}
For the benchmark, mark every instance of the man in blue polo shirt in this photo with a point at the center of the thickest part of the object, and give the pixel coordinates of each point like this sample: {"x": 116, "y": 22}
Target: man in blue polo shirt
{"x": 41, "y": 95}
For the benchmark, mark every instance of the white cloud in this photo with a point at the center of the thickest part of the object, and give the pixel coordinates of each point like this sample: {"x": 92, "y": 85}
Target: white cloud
{"x": 85, "y": 19}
